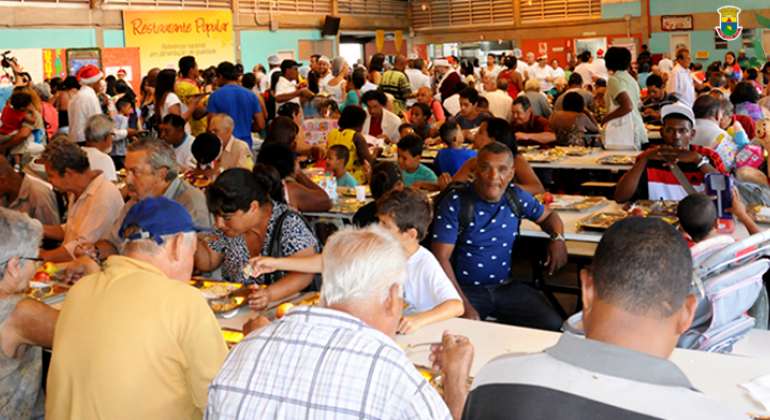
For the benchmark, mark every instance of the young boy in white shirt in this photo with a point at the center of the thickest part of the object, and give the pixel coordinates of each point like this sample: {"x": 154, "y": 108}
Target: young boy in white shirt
{"x": 428, "y": 294}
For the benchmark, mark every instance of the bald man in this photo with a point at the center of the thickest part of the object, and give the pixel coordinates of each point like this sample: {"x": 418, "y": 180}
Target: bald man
{"x": 396, "y": 83}
{"x": 235, "y": 152}
{"x": 496, "y": 92}
{"x": 26, "y": 194}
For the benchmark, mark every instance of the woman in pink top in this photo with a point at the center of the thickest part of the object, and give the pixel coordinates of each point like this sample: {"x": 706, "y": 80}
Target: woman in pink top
{"x": 47, "y": 111}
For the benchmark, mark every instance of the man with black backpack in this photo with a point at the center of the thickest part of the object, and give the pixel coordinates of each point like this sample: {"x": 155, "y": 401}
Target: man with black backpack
{"x": 473, "y": 234}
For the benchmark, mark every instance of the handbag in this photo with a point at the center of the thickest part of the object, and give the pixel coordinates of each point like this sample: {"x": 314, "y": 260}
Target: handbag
{"x": 619, "y": 134}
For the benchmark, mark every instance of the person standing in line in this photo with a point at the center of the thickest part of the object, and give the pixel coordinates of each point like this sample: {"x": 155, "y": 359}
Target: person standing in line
{"x": 680, "y": 83}
{"x": 85, "y": 103}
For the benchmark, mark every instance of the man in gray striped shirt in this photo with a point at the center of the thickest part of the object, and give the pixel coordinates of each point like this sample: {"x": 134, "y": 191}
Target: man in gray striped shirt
{"x": 638, "y": 300}
{"x": 337, "y": 360}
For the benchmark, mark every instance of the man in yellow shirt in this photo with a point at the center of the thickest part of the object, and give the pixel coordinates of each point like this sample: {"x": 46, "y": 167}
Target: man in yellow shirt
{"x": 187, "y": 88}
{"x": 136, "y": 341}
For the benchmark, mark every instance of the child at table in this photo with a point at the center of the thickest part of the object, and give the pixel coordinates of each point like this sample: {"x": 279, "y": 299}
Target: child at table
{"x": 698, "y": 218}
{"x": 413, "y": 172}
{"x": 429, "y": 295}
{"x": 336, "y": 159}
{"x": 19, "y": 110}
{"x": 405, "y": 129}
{"x": 450, "y": 159}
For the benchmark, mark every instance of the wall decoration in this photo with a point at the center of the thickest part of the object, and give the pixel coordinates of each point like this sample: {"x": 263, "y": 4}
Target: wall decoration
{"x": 676, "y": 22}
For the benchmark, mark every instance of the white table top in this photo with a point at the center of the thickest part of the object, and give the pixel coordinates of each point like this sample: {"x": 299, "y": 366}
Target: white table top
{"x": 569, "y": 218}
{"x": 717, "y": 375}
{"x": 589, "y": 161}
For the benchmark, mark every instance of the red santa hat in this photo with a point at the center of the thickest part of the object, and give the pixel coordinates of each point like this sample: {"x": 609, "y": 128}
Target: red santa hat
{"x": 600, "y": 53}
{"x": 542, "y": 56}
{"x": 122, "y": 71}
{"x": 89, "y": 74}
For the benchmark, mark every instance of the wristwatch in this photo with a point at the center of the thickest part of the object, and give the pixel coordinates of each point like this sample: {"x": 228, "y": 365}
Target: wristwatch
{"x": 704, "y": 161}
{"x": 557, "y": 237}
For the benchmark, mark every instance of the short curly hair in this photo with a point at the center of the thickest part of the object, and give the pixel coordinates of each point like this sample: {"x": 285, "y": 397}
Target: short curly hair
{"x": 62, "y": 154}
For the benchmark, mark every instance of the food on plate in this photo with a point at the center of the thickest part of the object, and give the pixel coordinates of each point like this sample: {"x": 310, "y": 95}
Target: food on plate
{"x": 659, "y": 207}
{"x": 42, "y": 276}
{"x": 547, "y": 198}
{"x": 311, "y": 301}
{"x": 228, "y": 304}
{"x": 616, "y": 160}
{"x": 570, "y": 202}
{"x": 638, "y": 212}
{"x": 49, "y": 268}
{"x": 602, "y": 221}
{"x": 281, "y": 310}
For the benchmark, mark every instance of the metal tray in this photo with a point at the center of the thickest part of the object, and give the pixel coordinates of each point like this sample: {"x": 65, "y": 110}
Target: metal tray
{"x": 527, "y": 149}
{"x": 577, "y": 150}
{"x": 659, "y": 207}
{"x": 348, "y": 205}
{"x": 50, "y": 294}
{"x": 221, "y": 296}
{"x": 616, "y": 160}
{"x": 574, "y": 202}
{"x": 351, "y": 191}
{"x": 753, "y": 211}
{"x": 600, "y": 222}
{"x": 545, "y": 156}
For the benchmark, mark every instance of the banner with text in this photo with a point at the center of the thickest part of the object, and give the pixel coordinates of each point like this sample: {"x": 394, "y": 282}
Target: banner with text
{"x": 164, "y": 37}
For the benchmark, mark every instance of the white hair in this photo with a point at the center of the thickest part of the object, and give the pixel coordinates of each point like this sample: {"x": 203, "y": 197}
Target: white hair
{"x": 21, "y": 237}
{"x": 227, "y": 120}
{"x": 362, "y": 264}
{"x": 150, "y": 247}
{"x": 97, "y": 128}
{"x": 533, "y": 84}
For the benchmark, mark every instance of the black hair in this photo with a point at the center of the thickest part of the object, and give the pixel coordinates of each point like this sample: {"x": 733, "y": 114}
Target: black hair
{"x": 502, "y": 132}
{"x": 644, "y": 67}
{"x": 413, "y": 144}
{"x": 405, "y": 125}
{"x": 510, "y": 62}
{"x": 744, "y": 92}
{"x": 359, "y": 78}
{"x": 424, "y": 108}
{"x": 600, "y": 82}
{"x": 697, "y": 66}
{"x": 706, "y": 106}
{"x": 523, "y": 101}
{"x": 341, "y": 152}
{"x": 186, "y": 64}
{"x": 20, "y": 100}
{"x": 573, "y": 101}
{"x": 717, "y": 79}
{"x": 697, "y": 215}
{"x": 249, "y": 80}
{"x": 419, "y": 64}
{"x": 235, "y": 189}
{"x": 352, "y": 117}
{"x": 585, "y": 56}
{"x": 467, "y": 66}
{"x": 121, "y": 86}
{"x": 206, "y": 147}
{"x": 459, "y": 86}
{"x": 331, "y": 105}
{"x": 385, "y": 176}
{"x": 482, "y": 103}
{"x": 497, "y": 148}
{"x": 470, "y": 94}
{"x": 289, "y": 109}
{"x": 164, "y": 85}
{"x": 575, "y": 80}
{"x": 377, "y": 62}
{"x": 175, "y": 120}
{"x": 374, "y": 95}
{"x": 409, "y": 208}
{"x": 643, "y": 265}
{"x": 121, "y": 103}
{"x": 751, "y": 74}
{"x": 283, "y": 130}
{"x": 617, "y": 59}
{"x": 654, "y": 80}
{"x": 680, "y": 53}
{"x": 227, "y": 70}
{"x": 448, "y": 132}
{"x": 279, "y": 156}
{"x": 274, "y": 80}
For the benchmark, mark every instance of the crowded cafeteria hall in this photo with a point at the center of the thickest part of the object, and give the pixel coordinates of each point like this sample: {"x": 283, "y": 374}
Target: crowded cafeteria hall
{"x": 384, "y": 209}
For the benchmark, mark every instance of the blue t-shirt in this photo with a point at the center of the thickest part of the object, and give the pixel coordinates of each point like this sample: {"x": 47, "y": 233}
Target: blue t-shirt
{"x": 423, "y": 173}
{"x": 449, "y": 160}
{"x": 484, "y": 249}
{"x": 5, "y": 94}
{"x": 347, "y": 180}
{"x": 466, "y": 124}
{"x": 240, "y": 104}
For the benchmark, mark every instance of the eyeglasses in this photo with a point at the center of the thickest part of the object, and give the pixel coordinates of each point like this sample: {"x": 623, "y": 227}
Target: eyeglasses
{"x": 37, "y": 260}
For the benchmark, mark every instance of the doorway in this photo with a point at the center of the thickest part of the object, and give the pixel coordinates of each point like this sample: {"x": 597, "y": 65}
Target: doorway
{"x": 679, "y": 40}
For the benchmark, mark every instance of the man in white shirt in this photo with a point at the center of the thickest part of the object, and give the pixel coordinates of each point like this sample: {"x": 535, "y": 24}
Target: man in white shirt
{"x": 235, "y": 153}
{"x": 497, "y": 95}
{"x": 600, "y": 67}
{"x": 324, "y": 72}
{"x": 380, "y": 122}
{"x": 275, "y": 65}
{"x": 172, "y": 132}
{"x": 99, "y": 138}
{"x": 85, "y": 103}
{"x": 417, "y": 78}
{"x": 95, "y": 202}
{"x": 680, "y": 83}
{"x": 286, "y": 89}
{"x": 585, "y": 69}
{"x": 543, "y": 73}
{"x": 492, "y": 68}
{"x": 665, "y": 65}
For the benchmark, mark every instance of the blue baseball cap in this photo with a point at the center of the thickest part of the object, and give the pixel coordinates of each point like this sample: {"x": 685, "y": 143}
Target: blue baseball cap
{"x": 156, "y": 217}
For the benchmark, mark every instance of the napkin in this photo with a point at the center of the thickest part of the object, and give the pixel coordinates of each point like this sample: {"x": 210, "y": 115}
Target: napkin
{"x": 759, "y": 390}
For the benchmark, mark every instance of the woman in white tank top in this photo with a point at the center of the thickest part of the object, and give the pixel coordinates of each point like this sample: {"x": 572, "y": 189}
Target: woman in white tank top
{"x": 336, "y": 86}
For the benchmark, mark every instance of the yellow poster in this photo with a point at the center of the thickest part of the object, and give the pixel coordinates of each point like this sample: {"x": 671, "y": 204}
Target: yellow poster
{"x": 163, "y": 37}
{"x": 380, "y": 39}
{"x": 399, "y": 39}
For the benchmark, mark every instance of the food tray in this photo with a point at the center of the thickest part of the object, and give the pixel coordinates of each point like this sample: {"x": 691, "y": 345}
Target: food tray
{"x": 232, "y": 337}
{"x": 49, "y": 294}
{"x": 351, "y": 191}
{"x": 616, "y": 160}
{"x": 545, "y": 156}
{"x": 436, "y": 379}
{"x": 577, "y": 150}
{"x": 600, "y": 222}
{"x": 348, "y": 205}
{"x": 527, "y": 149}
{"x": 659, "y": 207}
{"x": 753, "y": 211}
{"x": 222, "y": 296}
{"x": 429, "y": 154}
{"x": 574, "y": 202}
{"x": 310, "y": 301}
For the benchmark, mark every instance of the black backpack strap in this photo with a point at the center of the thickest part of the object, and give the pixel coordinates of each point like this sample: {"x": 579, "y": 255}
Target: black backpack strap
{"x": 467, "y": 208}
{"x": 514, "y": 202}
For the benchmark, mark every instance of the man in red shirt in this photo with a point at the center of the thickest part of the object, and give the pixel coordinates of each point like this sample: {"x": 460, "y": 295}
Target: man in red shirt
{"x": 651, "y": 177}
{"x": 530, "y": 129}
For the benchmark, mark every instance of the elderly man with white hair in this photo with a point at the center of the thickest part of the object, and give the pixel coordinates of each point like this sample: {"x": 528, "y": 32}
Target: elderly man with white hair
{"x": 98, "y": 144}
{"x": 337, "y": 359}
{"x": 496, "y": 93}
{"x": 135, "y": 340}
{"x": 235, "y": 152}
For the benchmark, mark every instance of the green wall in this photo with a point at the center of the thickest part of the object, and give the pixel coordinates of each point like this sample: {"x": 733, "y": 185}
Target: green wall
{"x": 47, "y": 38}
{"x": 257, "y": 45}
{"x": 113, "y": 38}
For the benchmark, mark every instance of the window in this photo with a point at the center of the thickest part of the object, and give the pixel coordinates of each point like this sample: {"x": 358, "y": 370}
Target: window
{"x": 316, "y": 7}
{"x": 548, "y": 10}
{"x": 746, "y": 36}
{"x": 429, "y": 14}
{"x": 384, "y": 8}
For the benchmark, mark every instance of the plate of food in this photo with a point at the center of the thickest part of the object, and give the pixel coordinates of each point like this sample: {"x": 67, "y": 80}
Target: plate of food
{"x": 222, "y": 296}
{"x": 600, "y": 222}
{"x": 545, "y": 156}
{"x": 310, "y": 301}
{"x": 659, "y": 207}
{"x": 577, "y": 150}
{"x": 758, "y": 213}
{"x": 527, "y": 149}
{"x": 348, "y": 205}
{"x": 616, "y": 160}
{"x": 570, "y": 202}
{"x": 351, "y": 191}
